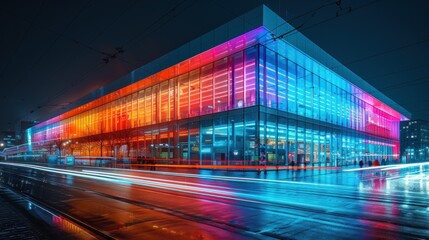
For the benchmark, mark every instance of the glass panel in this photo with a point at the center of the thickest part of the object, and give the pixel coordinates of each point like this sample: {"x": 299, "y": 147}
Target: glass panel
{"x": 172, "y": 95}
{"x": 291, "y": 87}
{"x": 183, "y": 81}
{"x": 308, "y": 145}
{"x": 174, "y": 141}
{"x": 261, "y": 77}
{"x": 329, "y": 102}
{"x": 207, "y": 89}
{"x": 220, "y": 79}
{"x": 237, "y": 90}
{"x": 322, "y": 99}
{"x": 300, "y": 143}
{"x": 148, "y": 106}
{"x": 236, "y": 138}
{"x": 271, "y": 79}
{"x": 194, "y": 93}
{"x": 316, "y": 97}
{"x": 155, "y": 104}
{"x": 183, "y": 142}
{"x": 220, "y": 139}
{"x": 292, "y": 143}
{"x": 134, "y": 111}
{"x": 163, "y": 150}
{"x": 282, "y": 141}
{"x": 194, "y": 142}
{"x": 322, "y": 149}
{"x": 309, "y": 94}
{"x": 250, "y": 79}
{"x": 250, "y": 136}
{"x": 300, "y": 91}
{"x": 316, "y": 147}
{"x": 148, "y": 145}
{"x": 164, "y": 103}
{"x": 271, "y": 146}
{"x": 281, "y": 83}
{"x": 207, "y": 141}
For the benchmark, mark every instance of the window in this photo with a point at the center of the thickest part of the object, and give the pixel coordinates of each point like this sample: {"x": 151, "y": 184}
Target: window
{"x": 183, "y": 81}
{"x": 164, "y": 103}
{"x": 291, "y": 87}
{"x": 249, "y": 73}
{"x": 237, "y": 90}
{"x": 194, "y": 93}
{"x": 271, "y": 79}
{"x": 220, "y": 80}
{"x": 207, "y": 89}
{"x": 281, "y": 83}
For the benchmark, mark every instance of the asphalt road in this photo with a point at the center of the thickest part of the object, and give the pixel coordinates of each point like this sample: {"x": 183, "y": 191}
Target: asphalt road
{"x": 389, "y": 203}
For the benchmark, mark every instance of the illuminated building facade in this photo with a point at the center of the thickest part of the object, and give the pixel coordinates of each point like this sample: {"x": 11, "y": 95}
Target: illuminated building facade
{"x": 242, "y": 88}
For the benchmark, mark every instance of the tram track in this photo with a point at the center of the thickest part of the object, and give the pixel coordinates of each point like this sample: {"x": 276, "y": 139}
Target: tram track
{"x": 284, "y": 209}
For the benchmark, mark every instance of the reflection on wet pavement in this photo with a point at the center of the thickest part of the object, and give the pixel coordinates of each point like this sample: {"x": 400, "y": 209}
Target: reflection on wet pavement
{"x": 381, "y": 203}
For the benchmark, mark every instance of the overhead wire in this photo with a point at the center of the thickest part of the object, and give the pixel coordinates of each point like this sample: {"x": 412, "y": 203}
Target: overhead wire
{"x": 382, "y": 53}
{"x": 352, "y": 9}
{"x": 38, "y": 61}
{"x": 398, "y": 71}
{"x": 163, "y": 19}
{"x": 58, "y": 36}
{"x": 387, "y": 88}
{"x": 87, "y": 46}
{"x": 312, "y": 13}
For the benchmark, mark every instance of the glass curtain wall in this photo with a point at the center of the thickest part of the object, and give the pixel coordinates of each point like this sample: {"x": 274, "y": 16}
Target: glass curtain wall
{"x": 130, "y": 125}
{"x": 309, "y": 101}
{"x": 210, "y": 115}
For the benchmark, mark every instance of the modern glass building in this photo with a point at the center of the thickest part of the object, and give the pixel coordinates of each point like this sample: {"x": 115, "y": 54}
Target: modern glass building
{"x": 221, "y": 98}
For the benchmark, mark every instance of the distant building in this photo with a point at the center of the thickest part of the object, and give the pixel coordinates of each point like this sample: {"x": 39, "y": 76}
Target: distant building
{"x": 20, "y": 133}
{"x": 415, "y": 140}
{"x": 7, "y": 139}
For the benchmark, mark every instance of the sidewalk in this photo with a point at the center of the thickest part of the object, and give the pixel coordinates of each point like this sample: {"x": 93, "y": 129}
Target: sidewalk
{"x": 15, "y": 223}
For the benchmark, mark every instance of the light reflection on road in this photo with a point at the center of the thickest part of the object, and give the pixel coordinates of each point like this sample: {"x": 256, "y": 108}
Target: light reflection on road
{"x": 383, "y": 202}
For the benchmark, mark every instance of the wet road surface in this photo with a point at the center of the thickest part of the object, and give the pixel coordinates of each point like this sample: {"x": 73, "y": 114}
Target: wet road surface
{"x": 389, "y": 203}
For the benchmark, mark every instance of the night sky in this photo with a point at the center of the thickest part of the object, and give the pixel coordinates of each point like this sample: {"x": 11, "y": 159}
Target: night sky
{"x": 53, "y": 53}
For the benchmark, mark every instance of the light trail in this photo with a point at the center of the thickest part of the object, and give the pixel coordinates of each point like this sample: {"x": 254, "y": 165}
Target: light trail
{"x": 406, "y": 166}
{"x": 129, "y": 179}
{"x": 235, "y": 167}
{"x": 149, "y": 178}
{"x": 200, "y": 189}
{"x": 226, "y": 178}
{"x": 208, "y": 191}
{"x": 297, "y": 205}
{"x": 204, "y": 190}
{"x": 388, "y": 167}
{"x": 365, "y": 168}
{"x": 177, "y": 186}
{"x": 63, "y": 171}
{"x": 314, "y": 187}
